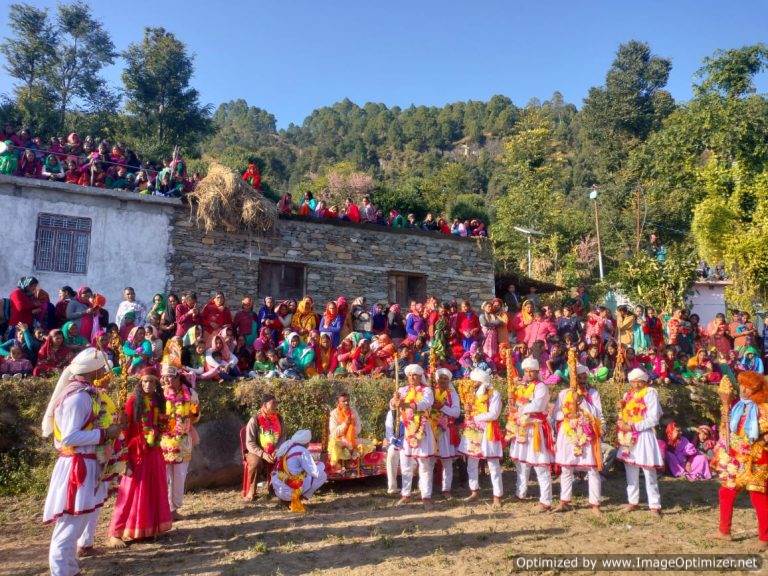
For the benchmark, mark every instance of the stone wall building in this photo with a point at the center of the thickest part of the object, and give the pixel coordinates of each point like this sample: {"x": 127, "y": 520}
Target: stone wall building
{"x": 66, "y": 234}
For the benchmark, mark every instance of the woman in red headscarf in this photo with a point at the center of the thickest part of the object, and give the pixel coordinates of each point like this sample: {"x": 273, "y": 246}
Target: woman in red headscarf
{"x": 53, "y": 356}
{"x": 216, "y": 315}
{"x": 252, "y": 176}
{"x": 142, "y": 509}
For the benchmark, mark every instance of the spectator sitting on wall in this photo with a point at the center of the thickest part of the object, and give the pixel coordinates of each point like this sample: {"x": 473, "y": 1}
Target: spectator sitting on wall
{"x": 8, "y": 162}
{"x": 285, "y": 204}
{"x": 52, "y": 169}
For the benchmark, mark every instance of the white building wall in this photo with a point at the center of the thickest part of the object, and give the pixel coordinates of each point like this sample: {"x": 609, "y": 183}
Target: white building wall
{"x": 708, "y": 300}
{"x": 130, "y": 238}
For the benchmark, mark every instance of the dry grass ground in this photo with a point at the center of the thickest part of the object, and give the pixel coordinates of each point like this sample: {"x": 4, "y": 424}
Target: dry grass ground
{"x": 355, "y": 529}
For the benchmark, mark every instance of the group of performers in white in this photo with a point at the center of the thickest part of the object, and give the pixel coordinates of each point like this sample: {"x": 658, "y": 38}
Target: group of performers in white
{"x": 429, "y": 419}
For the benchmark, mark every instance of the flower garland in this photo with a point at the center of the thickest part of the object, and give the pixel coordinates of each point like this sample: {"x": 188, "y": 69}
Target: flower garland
{"x": 413, "y": 422}
{"x": 269, "y": 431}
{"x": 150, "y": 418}
{"x": 180, "y": 409}
{"x": 578, "y": 426}
{"x": 633, "y": 410}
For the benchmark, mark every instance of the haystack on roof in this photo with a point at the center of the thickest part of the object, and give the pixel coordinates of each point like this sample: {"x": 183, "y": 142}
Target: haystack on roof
{"x": 223, "y": 200}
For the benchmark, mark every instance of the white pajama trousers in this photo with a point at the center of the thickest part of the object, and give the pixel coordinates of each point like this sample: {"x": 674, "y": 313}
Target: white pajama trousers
{"x": 62, "y": 555}
{"x": 543, "y": 476}
{"x": 177, "y": 476}
{"x": 89, "y": 531}
{"x": 494, "y": 468}
{"x": 408, "y": 466}
{"x": 447, "y": 474}
{"x": 393, "y": 465}
{"x": 651, "y": 486}
{"x": 566, "y": 485}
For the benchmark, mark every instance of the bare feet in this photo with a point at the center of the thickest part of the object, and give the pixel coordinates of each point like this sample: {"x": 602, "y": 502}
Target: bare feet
{"x": 656, "y": 512}
{"x": 85, "y": 551}
{"x": 403, "y": 501}
{"x": 427, "y": 503}
{"x": 762, "y": 545}
{"x": 543, "y": 508}
{"x": 474, "y": 495}
{"x": 496, "y": 502}
{"x": 596, "y": 510}
{"x": 176, "y": 516}
{"x": 563, "y": 507}
{"x": 447, "y": 496}
{"x": 629, "y": 507}
{"x": 115, "y": 543}
{"x": 720, "y": 536}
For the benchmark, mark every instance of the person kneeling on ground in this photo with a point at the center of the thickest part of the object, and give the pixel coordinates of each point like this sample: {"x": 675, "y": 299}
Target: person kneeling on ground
{"x": 296, "y": 475}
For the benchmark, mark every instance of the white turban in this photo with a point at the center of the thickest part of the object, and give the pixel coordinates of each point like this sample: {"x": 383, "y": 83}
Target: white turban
{"x": 416, "y": 369}
{"x": 89, "y": 360}
{"x": 581, "y": 369}
{"x": 480, "y": 375}
{"x": 637, "y": 374}
{"x": 530, "y": 364}
{"x": 301, "y": 437}
{"x": 443, "y": 372}
{"x": 168, "y": 370}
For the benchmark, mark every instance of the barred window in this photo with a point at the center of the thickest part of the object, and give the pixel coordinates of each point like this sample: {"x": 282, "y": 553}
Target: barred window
{"x": 61, "y": 243}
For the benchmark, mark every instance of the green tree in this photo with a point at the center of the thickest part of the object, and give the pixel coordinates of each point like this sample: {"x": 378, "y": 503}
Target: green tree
{"x": 731, "y": 72}
{"x": 82, "y": 49}
{"x": 163, "y": 110}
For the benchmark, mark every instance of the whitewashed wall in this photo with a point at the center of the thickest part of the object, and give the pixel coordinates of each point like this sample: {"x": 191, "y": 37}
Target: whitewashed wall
{"x": 708, "y": 300}
{"x": 130, "y": 237}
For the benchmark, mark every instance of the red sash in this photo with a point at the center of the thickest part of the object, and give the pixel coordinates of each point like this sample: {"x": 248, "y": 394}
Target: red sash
{"x": 546, "y": 428}
{"x": 76, "y": 476}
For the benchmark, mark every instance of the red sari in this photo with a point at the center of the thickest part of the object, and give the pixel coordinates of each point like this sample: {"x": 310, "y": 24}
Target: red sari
{"x": 214, "y": 319}
{"x": 142, "y": 509}
{"x": 51, "y": 359}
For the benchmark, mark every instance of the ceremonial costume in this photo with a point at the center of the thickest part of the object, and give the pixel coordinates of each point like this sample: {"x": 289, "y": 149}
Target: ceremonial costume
{"x": 532, "y": 442}
{"x": 579, "y": 420}
{"x": 296, "y": 474}
{"x": 741, "y": 460}
{"x": 445, "y": 411}
{"x": 344, "y": 442}
{"x": 182, "y": 409}
{"x": 76, "y": 491}
{"x": 481, "y": 437}
{"x": 638, "y": 447}
{"x": 418, "y": 439}
{"x": 263, "y": 434}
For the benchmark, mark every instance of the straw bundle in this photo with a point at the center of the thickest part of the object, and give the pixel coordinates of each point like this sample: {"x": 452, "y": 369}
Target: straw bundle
{"x": 223, "y": 200}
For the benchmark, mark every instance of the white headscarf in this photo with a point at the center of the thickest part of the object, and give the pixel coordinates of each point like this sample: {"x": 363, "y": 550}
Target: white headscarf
{"x": 302, "y": 437}
{"x": 89, "y": 360}
{"x": 481, "y": 376}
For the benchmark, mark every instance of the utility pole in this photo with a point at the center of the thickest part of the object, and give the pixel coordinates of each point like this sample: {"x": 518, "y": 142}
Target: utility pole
{"x": 593, "y": 197}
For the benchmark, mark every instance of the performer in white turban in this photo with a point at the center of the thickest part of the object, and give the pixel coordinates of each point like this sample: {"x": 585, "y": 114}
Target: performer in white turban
{"x": 579, "y": 417}
{"x": 415, "y": 402}
{"x": 445, "y": 411}
{"x": 76, "y": 491}
{"x": 532, "y": 446}
{"x": 482, "y": 438}
{"x": 639, "y": 415}
{"x": 296, "y": 475}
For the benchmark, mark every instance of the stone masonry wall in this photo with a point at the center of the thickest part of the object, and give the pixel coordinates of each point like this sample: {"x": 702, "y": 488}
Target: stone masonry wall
{"x": 339, "y": 259}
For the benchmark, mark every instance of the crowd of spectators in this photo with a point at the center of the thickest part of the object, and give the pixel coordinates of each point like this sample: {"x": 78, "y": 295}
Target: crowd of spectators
{"x": 366, "y": 212}
{"x": 90, "y": 162}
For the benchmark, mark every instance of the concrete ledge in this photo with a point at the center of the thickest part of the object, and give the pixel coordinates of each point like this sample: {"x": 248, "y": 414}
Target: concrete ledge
{"x": 19, "y": 183}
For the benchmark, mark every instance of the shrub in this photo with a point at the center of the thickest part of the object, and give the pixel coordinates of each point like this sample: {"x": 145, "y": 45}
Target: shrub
{"x": 469, "y": 206}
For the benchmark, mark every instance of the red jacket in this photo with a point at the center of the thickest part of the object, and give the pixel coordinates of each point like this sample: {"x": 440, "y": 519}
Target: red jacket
{"x": 21, "y": 308}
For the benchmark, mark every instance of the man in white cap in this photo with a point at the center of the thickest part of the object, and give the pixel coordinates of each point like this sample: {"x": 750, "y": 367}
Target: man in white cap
{"x": 76, "y": 491}
{"x": 296, "y": 475}
{"x": 415, "y": 402}
{"x": 532, "y": 445}
{"x": 639, "y": 415}
{"x": 179, "y": 437}
{"x": 445, "y": 411}
{"x": 481, "y": 438}
{"x": 578, "y": 416}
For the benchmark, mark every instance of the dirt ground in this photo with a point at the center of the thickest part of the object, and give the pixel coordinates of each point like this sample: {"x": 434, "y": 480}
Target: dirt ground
{"x": 356, "y": 529}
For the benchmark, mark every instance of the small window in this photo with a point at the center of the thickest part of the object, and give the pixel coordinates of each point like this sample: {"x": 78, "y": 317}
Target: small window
{"x": 61, "y": 243}
{"x": 280, "y": 280}
{"x": 403, "y": 288}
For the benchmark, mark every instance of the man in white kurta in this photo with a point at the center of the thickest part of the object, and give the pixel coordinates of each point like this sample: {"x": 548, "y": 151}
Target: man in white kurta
{"x": 532, "y": 445}
{"x": 76, "y": 491}
{"x": 481, "y": 438}
{"x": 294, "y": 463}
{"x": 445, "y": 410}
{"x": 579, "y": 421}
{"x": 415, "y": 401}
{"x": 638, "y": 446}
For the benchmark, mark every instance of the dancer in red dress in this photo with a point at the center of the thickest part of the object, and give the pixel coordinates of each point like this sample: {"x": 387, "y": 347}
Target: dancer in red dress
{"x": 142, "y": 508}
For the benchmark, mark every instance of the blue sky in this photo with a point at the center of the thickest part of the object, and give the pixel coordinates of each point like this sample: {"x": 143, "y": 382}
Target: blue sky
{"x": 290, "y": 57}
